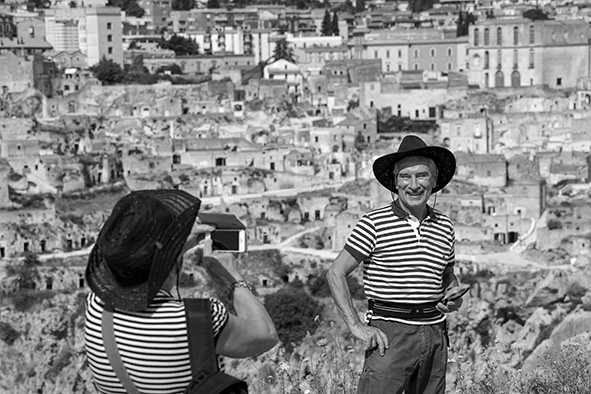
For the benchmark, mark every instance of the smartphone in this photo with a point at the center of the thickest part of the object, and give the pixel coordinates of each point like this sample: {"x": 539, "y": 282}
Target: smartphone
{"x": 455, "y": 292}
{"x": 229, "y": 240}
{"x": 229, "y": 234}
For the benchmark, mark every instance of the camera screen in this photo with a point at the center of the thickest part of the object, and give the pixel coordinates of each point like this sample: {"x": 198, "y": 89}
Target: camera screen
{"x": 229, "y": 240}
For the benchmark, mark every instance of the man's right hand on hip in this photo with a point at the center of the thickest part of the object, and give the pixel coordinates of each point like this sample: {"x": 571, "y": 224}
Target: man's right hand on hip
{"x": 371, "y": 336}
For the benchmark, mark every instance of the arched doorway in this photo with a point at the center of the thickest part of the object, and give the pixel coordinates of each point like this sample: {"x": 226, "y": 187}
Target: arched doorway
{"x": 515, "y": 79}
{"x": 499, "y": 79}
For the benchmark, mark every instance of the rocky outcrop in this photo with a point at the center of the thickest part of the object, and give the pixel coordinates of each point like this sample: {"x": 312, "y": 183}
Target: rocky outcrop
{"x": 575, "y": 328}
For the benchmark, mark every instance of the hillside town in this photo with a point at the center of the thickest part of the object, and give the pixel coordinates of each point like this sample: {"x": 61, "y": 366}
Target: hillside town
{"x": 276, "y": 110}
{"x": 276, "y": 97}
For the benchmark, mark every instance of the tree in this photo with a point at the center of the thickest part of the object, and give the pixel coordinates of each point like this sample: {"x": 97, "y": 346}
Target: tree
{"x": 359, "y": 142}
{"x": 283, "y": 51}
{"x": 335, "y": 24}
{"x": 130, "y": 7}
{"x": 326, "y": 28}
{"x": 318, "y": 286}
{"x": 535, "y": 14}
{"x": 463, "y": 23}
{"x": 213, "y": 4}
{"x": 417, "y": 6}
{"x": 181, "y": 46}
{"x": 27, "y": 273}
{"x": 170, "y": 69}
{"x": 38, "y": 4}
{"x": 293, "y": 312}
{"x": 107, "y": 71}
{"x": 360, "y": 5}
{"x": 183, "y": 5}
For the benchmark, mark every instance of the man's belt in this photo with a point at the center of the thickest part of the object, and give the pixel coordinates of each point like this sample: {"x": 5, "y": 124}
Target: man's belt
{"x": 403, "y": 311}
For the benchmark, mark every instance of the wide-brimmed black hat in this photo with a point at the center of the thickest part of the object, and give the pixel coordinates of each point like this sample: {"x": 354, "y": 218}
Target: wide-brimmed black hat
{"x": 412, "y": 145}
{"x": 139, "y": 245}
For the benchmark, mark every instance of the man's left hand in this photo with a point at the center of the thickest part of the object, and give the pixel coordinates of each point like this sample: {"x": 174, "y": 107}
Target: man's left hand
{"x": 450, "y": 306}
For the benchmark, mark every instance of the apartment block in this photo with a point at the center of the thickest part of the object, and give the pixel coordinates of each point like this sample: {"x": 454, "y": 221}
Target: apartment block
{"x": 96, "y": 32}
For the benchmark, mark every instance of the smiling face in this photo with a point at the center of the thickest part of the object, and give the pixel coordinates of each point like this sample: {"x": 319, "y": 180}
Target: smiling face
{"x": 414, "y": 178}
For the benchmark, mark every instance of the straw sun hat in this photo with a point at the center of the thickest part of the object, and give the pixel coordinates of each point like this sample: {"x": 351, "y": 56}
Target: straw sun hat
{"x": 139, "y": 245}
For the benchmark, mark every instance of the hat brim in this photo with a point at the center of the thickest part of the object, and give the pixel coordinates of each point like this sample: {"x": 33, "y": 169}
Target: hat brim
{"x": 135, "y": 298}
{"x": 442, "y": 157}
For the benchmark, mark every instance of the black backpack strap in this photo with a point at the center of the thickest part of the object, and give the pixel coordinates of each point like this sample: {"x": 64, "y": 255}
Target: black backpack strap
{"x": 200, "y": 333}
{"x": 108, "y": 331}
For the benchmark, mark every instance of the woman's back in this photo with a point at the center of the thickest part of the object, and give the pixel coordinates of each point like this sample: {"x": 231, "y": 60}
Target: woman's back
{"x": 153, "y": 344}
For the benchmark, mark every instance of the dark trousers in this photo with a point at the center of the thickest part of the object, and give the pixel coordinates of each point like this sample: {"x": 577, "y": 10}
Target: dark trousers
{"x": 415, "y": 362}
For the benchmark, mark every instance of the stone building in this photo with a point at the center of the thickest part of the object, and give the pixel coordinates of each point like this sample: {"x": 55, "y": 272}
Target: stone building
{"x": 521, "y": 52}
{"x": 485, "y": 170}
{"x": 344, "y": 223}
{"x": 313, "y": 206}
{"x": 469, "y": 132}
{"x": 5, "y": 170}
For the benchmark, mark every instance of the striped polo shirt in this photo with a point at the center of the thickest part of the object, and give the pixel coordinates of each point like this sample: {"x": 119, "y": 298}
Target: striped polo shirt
{"x": 403, "y": 260}
{"x": 153, "y": 345}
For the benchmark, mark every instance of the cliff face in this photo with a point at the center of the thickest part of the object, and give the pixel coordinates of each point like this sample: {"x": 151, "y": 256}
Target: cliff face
{"x": 43, "y": 347}
{"x": 523, "y": 315}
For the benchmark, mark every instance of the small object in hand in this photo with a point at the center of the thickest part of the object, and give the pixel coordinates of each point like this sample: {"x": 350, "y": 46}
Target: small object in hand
{"x": 455, "y": 292}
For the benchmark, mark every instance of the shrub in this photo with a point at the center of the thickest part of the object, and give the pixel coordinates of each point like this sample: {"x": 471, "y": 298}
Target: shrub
{"x": 318, "y": 286}
{"x": 566, "y": 371}
{"x": 323, "y": 363}
{"x": 554, "y": 224}
{"x": 293, "y": 312}
{"x": 8, "y": 334}
{"x": 25, "y": 300}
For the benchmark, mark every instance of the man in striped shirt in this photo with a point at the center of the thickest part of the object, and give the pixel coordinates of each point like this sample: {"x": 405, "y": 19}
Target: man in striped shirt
{"x": 407, "y": 251}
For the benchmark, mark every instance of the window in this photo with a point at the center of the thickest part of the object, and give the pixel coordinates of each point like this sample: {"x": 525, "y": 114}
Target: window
{"x": 499, "y": 36}
{"x": 399, "y": 53}
{"x": 110, "y": 50}
{"x": 432, "y": 66}
{"x": 486, "y": 37}
{"x": 486, "y": 60}
{"x": 476, "y": 38}
{"x": 109, "y": 26}
{"x": 515, "y": 35}
{"x": 499, "y": 59}
{"x": 432, "y": 52}
{"x": 375, "y": 54}
{"x": 531, "y": 58}
{"x": 388, "y": 67}
{"x": 558, "y": 81}
{"x": 416, "y": 67}
{"x": 110, "y": 38}
{"x": 388, "y": 54}
{"x": 515, "y": 59}
{"x": 416, "y": 53}
{"x": 449, "y": 66}
{"x": 449, "y": 52}
{"x": 486, "y": 83}
{"x": 532, "y": 34}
